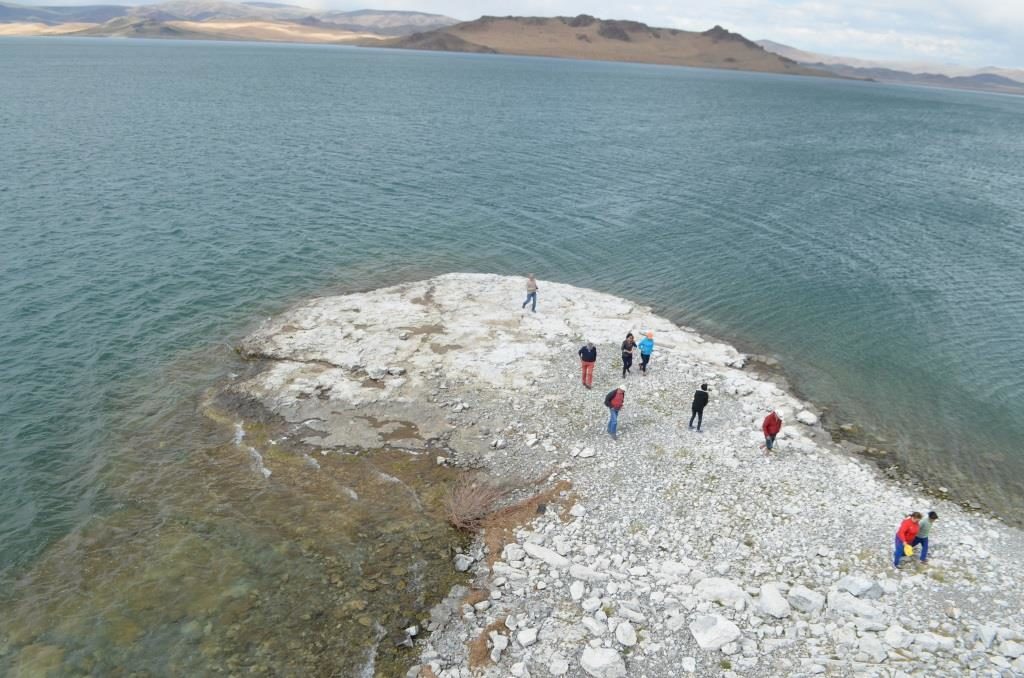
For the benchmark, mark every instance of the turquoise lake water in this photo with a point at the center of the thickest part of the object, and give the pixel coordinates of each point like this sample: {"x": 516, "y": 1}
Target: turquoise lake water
{"x": 157, "y": 198}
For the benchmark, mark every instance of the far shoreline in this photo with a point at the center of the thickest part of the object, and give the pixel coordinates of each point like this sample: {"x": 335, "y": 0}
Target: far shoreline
{"x": 385, "y": 48}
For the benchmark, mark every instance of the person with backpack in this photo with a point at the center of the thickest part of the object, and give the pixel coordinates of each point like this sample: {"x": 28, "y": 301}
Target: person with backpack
{"x": 628, "y": 346}
{"x": 700, "y": 401}
{"x": 771, "y": 426}
{"x": 588, "y": 356}
{"x": 614, "y": 401}
{"x": 646, "y": 349}
{"x": 905, "y": 536}
{"x": 923, "y": 528}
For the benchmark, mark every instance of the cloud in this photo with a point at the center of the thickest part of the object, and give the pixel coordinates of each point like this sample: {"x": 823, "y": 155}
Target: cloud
{"x": 969, "y": 31}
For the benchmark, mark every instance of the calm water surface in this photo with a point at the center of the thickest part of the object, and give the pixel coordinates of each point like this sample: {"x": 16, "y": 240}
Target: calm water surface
{"x": 158, "y": 197}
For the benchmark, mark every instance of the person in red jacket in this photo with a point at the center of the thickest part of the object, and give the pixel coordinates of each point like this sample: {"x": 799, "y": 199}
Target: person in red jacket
{"x": 905, "y": 537}
{"x": 771, "y": 426}
{"x": 613, "y": 401}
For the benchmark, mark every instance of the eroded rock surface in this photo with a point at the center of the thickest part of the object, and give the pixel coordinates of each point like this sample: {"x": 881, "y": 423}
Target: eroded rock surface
{"x": 685, "y": 553}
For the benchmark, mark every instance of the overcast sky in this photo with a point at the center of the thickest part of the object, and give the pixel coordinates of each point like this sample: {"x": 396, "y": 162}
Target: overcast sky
{"x": 969, "y": 32}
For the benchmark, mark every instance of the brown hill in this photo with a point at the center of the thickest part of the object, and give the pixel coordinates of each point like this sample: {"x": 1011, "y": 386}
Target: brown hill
{"x": 586, "y": 37}
{"x": 226, "y": 29}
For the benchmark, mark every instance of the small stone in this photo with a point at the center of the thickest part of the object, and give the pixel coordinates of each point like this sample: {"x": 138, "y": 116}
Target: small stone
{"x": 688, "y": 664}
{"x": 559, "y": 665}
{"x": 771, "y": 602}
{"x": 898, "y": 637}
{"x": 577, "y": 589}
{"x": 805, "y": 600}
{"x": 860, "y": 587}
{"x": 527, "y": 637}
{"x": 546, "y": 555}
{"x": 713, "y": 631}
{"x": 603, "y": 662}
{"x": 806, "y": 417}
{"x": 723, "y": 591}
{"x": 578, "y": 571}
{"x": 626, "y": 634}
{"x": 463, "y": 562}
{"x": 498, "y": 644}
{"x": 594, "y": 626}
{"x": 587, "y": 452}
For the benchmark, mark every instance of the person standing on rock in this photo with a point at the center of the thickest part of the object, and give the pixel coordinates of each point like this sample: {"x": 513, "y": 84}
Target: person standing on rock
{"x": 646, "y": 349}
{"x": 588, "y": 356}
{"x": 628, "y": 346}
{"x": 700, "y": 401}
{"x": 771, "y": 426}
{"x": 905, "y": 537}
{"x": 531, "y": 293}
{"x": 613, "y": 401}
{"x": 923, "y": 528}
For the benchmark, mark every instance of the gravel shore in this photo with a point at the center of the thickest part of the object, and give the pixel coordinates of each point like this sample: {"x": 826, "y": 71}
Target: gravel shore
{"x": 673, "y": 552}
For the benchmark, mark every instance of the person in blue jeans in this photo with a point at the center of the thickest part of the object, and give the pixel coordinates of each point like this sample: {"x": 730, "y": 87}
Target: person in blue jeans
{"x": 613, "y": 401}
{"x": 646, "y": 346}
{"x": 923, "y": 528}
{"x": 531, "y": 293}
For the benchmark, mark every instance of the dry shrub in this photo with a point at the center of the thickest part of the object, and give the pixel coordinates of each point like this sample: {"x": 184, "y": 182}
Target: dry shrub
{"x": 479, "y": 653}
{"x": 501, "y": 525}
{"x": 470, "y": 502}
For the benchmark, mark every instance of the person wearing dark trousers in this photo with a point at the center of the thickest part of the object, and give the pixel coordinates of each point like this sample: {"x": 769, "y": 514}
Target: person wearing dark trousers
{"x": 923, "y": 528}
{"x": 700, "y": 401}
{"x": 646, "y": 346}
{"x": 628, "y": 346}
{"x": 613, "y": 401}
{"x": 588, "y": 356}
{"x": 531, "y": 293}
{"x": 905, "y": 536}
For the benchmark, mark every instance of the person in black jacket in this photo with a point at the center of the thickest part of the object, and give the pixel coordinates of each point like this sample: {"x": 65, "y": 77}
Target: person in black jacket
{"x": 628, "y": 346}
{"x": 700, "y": 400}
{"x": 588, "y": 356}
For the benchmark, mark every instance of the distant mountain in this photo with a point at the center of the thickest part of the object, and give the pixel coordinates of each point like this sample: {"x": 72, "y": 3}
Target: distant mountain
{"x": 263, "y": 30}
{"x": 586, "y": 37}
{"x": 387, "y": 22}
{"x": 378, "y": 22}
{"x": 1006, "y": 81}
{"x": 51, "y": 16}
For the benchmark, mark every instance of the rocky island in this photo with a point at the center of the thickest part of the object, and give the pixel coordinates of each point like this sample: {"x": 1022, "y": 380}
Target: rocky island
{"x": 588, "y": 37}
{"x": 665, "y": 553}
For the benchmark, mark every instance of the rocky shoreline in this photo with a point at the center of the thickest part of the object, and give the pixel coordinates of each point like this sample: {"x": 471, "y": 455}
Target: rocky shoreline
{"x": 672, "y": 552}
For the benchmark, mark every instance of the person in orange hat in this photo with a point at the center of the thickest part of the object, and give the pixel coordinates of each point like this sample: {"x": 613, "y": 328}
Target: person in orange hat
{"x": 646, "y": 349}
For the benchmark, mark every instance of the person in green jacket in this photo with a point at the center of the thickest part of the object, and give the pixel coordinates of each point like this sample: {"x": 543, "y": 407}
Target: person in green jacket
{"x": 923, "y": 528}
